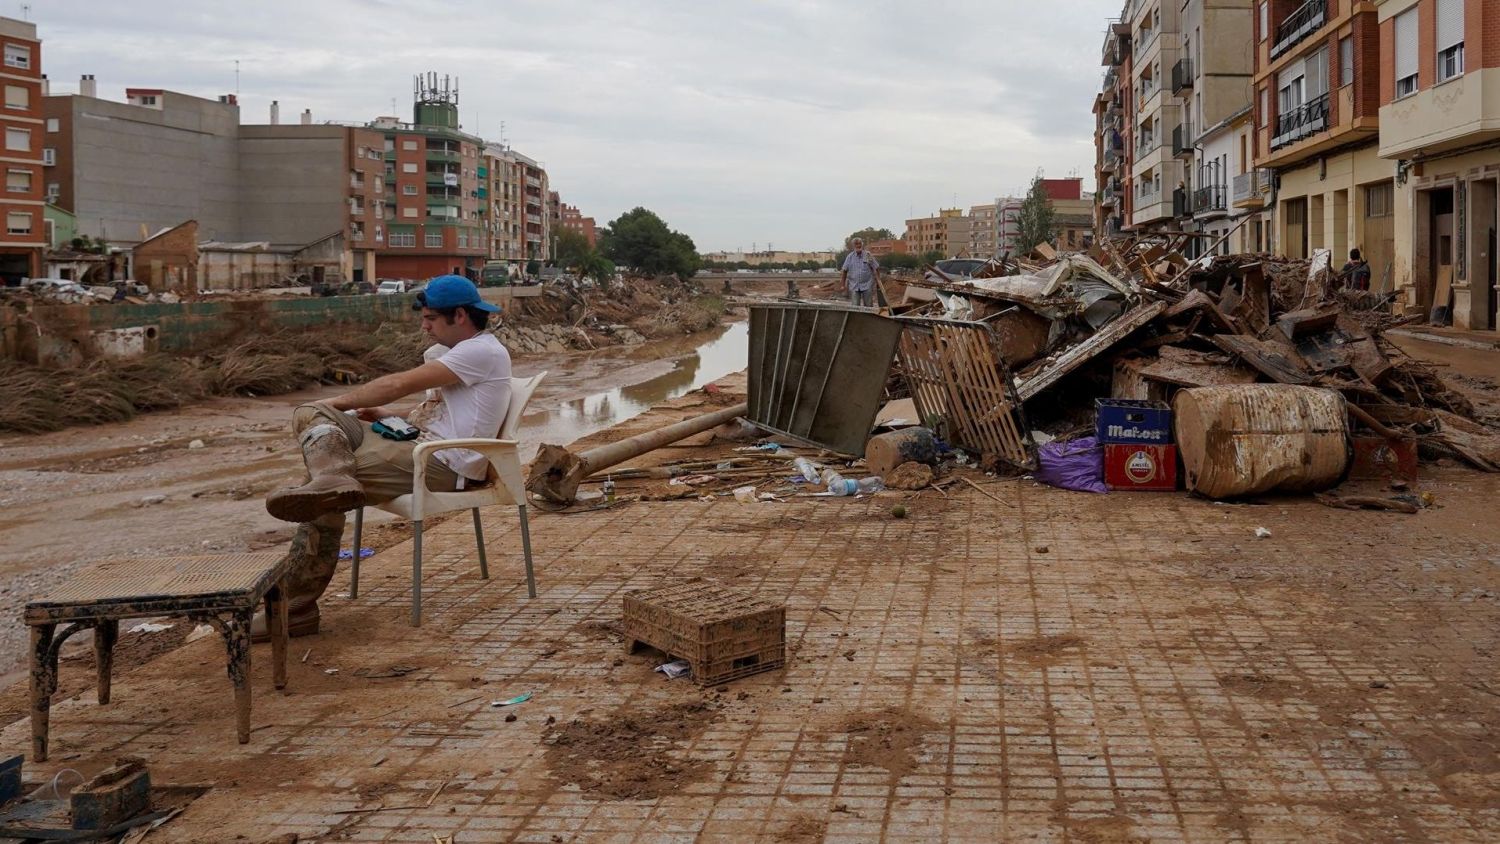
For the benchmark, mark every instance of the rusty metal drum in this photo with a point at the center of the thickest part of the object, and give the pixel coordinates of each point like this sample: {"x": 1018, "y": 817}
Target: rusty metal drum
{"x": 1246, "y": 439}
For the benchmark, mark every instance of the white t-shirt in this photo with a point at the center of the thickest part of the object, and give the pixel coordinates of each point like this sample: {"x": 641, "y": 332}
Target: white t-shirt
{"x": 476, "y": 405}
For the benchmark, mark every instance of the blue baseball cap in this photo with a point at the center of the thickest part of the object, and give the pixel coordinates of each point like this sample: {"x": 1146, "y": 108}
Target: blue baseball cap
{"x": 452, "y": 291}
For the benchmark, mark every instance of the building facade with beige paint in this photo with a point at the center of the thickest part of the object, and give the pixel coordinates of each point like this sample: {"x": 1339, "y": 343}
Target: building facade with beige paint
{"x": 1440, "y": 129}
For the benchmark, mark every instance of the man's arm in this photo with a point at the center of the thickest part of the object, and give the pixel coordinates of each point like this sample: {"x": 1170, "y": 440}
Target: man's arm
{"x": 394, "y": 386}
{"x": 844, "y": 278}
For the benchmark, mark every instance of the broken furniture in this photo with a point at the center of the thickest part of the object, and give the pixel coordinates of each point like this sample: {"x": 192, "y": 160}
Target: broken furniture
{"x": 556, "y": 472}
{"x": 222, "y": 591}
{"x": 817, "y": 372}
{"x": 961, "y": 386}
{"x": 723, "y": 633}
{"x": 503, "y": 486}
{"x": 118, "y": 793}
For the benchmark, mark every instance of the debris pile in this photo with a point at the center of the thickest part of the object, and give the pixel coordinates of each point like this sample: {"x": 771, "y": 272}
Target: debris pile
{"x": 1151, "y": 321}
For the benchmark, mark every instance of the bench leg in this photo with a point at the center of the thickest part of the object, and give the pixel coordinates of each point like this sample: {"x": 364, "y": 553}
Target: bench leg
{"x": 484, "y": 564}
{"x": 43, "y": 684}
{"x": 276, "y": 625}
{"x": 105, "y": 636}
{"x": 237, "y": 641}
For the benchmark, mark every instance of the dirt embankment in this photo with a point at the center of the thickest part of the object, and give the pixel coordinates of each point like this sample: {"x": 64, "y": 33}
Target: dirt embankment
{"x": 39, "y": 399}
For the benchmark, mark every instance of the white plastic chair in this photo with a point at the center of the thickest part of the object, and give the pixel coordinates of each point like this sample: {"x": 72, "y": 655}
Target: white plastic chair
{"x": 506, "y": 486}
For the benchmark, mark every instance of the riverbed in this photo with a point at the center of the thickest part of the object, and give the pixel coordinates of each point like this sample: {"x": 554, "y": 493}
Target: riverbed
{"x": 192, "y": 481}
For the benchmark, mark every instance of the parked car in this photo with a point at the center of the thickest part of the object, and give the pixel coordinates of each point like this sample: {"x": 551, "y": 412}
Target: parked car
{"x": 391, "y": 286}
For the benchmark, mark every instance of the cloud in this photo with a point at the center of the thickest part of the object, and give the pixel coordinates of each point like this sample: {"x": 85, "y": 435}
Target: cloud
{"x": 783, "y": 121}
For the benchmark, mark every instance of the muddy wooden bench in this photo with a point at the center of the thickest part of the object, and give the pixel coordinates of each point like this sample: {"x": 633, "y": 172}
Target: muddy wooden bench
{"x": 223, "y": 591}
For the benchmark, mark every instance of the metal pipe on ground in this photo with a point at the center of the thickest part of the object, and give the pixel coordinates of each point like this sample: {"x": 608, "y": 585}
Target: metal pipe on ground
{"x": 556, "y": 472}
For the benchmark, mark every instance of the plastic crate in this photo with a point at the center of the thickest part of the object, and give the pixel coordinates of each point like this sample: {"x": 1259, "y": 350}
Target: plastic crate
{"x": 724, "y": 634}
{"x": 1132, "y": 421}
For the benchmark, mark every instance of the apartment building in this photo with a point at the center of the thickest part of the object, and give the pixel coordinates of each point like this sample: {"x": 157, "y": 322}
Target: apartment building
{"x": 1156, "y": 170}
{"x": 127, "y": 170}
{"x": 1114, "y": 110}
{"x": 1212, "y": 78}
{"x": 1317, "y": 97}
{"x": 437, "y": 214}
{"x": 24, "y": 202}
{"x": 574, "y": 221}
{"x": 947, "y": 232}
{"x": 984, "y": 231}
{"x": 1438, "y": 128}
{"x": 300, "y": 182}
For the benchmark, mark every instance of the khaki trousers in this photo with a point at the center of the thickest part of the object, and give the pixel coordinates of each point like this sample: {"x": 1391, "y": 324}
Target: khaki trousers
{"x": 383, "y": 467}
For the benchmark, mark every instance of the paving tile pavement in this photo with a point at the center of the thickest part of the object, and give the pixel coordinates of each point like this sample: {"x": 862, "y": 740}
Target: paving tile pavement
{"x": 1053, "y": 666}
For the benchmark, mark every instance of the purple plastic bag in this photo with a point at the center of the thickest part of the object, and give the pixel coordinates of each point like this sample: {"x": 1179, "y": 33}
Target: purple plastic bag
{"x": 1075, "y": 464}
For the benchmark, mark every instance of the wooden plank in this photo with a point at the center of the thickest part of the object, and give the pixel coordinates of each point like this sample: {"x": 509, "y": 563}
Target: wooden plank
{"x": 1268, "y": 358}
{"x": 1088, "y": 349}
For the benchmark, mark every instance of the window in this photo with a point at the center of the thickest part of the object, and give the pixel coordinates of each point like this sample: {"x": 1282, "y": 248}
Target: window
{"x": 148, "y": 99}
{"x": 1265, "y": 19}
{"x": 408, "y": 145}
{"x": 17, "y": 55}
{"x": 54, "y": 190}
{"x": 1380, "y": 200}
{"x": 1264, "y": 106}
{"x": 360, "y": 153}
{"x": 17, "y": 96}
{"x": 49, "y": 157}
{"x": 403, "y": 240}
{"x": 53, "y": 125}
{"x": 1346, "y": 61}
{"x": 409, "y": 167}
{"x": 18, "y": 222}
{"x": 434, "y": 240}
{"x": 1406, "y": 53}
{"x": 379, "y": 234}
{"x": 17, "y": 139}
{"x": 409, "y": 190}
{"x": 1450, "y": 39}
{"x": 409, "y": 212}
{"x": 17, "y": 181}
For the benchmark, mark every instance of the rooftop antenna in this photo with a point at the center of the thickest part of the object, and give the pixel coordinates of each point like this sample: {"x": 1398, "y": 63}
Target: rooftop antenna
{"x": 236, "y": 77}
{"x": 25, "y": 11}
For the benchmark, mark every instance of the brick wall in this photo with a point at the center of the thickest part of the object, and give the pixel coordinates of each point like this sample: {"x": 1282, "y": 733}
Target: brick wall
{"x": 1426, "y": 44}
{"x": 1482, "y": 32}
{"x": 1369, "y": 49}
{"x": 1386, "y": 61}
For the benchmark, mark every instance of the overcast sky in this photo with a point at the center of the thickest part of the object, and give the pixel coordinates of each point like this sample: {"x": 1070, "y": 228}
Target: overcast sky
{"x": 740, "y": 123}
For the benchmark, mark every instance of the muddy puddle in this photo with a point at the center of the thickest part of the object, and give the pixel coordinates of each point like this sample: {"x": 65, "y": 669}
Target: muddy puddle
{"x": 673, "y": 367}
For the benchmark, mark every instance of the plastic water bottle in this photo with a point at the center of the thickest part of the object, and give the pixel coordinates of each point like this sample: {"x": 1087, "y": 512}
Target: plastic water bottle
{"x": 807, "y": 469}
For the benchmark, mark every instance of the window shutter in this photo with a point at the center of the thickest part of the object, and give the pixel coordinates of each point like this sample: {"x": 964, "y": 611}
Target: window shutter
{"x": 1406, "y": 43}
{"x": 1317, "y": 74}
{"x": 1450, "y": 23}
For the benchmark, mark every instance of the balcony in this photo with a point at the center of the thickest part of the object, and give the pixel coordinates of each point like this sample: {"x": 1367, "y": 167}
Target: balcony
{"x": 1182, "y": 75}
{"x": 1249, "y": 187}
{"x": 533, "y": 182}
{"x": 1182, "y": 140}
{"x": 1309, "y": 118}
{"x": 1147, "y": 145}
{"x": 437, "y": 177}
{"x": 1209, "y": 201}
{"x": 1296, "y": 27}
{"x": 1148, "y": 87}
{"x": 443, "y": 155}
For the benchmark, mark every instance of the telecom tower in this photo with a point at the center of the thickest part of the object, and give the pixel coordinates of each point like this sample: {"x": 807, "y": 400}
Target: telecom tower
{"x": 436, "y": 100}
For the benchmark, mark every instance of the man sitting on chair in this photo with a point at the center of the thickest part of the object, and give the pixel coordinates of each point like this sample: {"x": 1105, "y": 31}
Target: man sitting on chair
{"x": 349, "y": 465}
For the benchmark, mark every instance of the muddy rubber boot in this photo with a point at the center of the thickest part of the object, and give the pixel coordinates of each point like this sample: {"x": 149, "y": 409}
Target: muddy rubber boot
{"x": 315, "y": 553}
{"x": 331, "y": 487}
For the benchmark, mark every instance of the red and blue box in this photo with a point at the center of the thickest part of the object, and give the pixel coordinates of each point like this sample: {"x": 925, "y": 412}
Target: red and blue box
{"x": 1132, "y": 421}
{"x": 1137, "y": 440}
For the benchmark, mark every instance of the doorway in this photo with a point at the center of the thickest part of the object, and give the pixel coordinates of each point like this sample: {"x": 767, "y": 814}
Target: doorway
{"x": 1440, "y": 235}
{"x": 1378, "y": 240}
{"x": 1294, "y": 211}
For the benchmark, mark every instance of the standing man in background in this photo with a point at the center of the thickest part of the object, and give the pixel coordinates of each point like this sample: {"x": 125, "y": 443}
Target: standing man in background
{"x": 860, "y": 273}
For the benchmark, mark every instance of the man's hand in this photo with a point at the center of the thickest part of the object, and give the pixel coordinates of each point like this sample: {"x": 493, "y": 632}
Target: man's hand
{"x": 374, "y": 414}
{"x": 394, "y": 386}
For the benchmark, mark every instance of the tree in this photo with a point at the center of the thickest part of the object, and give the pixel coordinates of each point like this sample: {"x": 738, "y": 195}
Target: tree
{"x": 572, "y": 248}
{"x": 870, "y": 235}
{"x": 641, "y": 240}
{"x": 1036, "y": 222}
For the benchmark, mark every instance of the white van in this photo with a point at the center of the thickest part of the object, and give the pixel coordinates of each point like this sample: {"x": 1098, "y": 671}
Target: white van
{"x": 391, "y": 285}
